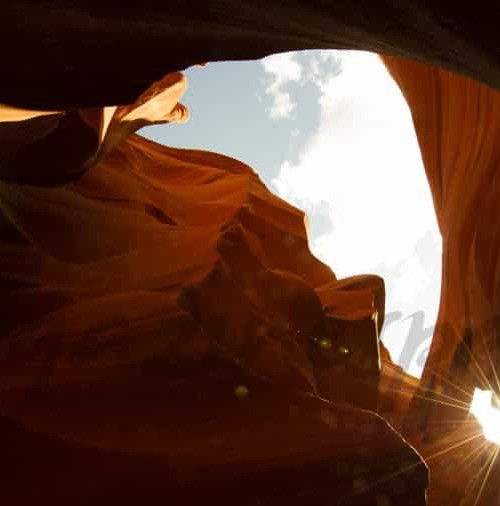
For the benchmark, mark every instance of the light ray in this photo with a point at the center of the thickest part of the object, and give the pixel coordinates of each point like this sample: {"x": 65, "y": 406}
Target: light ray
{"x": 463, "y": 406}
{"x": 493, "y": 368}
{"x": 479, "y": 368}
{"x": 407, "y": 468}
{"x": 471, "y": 459}
{"x": 490, "y": 467}
{"x": 451, "y": 383}
{"x": 453, "y": 447}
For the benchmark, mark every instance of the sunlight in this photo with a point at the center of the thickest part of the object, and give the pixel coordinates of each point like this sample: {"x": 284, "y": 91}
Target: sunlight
{"x": 487, "y": 414}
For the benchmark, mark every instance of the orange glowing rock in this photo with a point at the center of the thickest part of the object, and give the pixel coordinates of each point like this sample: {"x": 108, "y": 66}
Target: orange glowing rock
{"x": 457, "y": 122}
{"x": 156, "y": 290}
{"x": 161, "y": 324}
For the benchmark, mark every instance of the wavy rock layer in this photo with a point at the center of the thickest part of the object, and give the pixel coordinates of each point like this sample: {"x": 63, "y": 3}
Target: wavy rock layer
{"x": 163, "y": 304}
{"x": 457, "y": 121}
{"x": 167, "y": 334}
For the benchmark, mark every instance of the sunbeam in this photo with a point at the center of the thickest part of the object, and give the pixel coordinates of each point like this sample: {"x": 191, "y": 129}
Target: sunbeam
{"x": 485, "y": 479}
{"x": 458, "y": 404}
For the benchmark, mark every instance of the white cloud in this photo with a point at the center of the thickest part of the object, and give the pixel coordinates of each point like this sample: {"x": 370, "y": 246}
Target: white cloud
{"x": 323, "y": 66}
{"x": 283, "y": 69}
{"x": 363, "y": 166}
{"x": 282, "y": 105}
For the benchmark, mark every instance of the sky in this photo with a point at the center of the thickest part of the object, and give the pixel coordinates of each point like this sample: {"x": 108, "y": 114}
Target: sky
{"x": 330, "y": 132}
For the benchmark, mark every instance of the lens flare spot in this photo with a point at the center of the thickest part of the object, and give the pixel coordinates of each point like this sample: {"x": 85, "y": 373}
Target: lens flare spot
{"x": 344, "y": 351}
{"x": 325, "y": 343}
{"x": 241, "y": 392}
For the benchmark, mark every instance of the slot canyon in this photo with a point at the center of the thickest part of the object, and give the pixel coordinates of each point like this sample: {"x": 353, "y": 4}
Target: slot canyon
{"x": 166, "y": 333}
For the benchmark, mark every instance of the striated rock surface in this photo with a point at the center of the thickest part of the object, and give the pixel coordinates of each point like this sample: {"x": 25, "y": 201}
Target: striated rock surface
{"x": 166, "y": 333}
{"x": 457, "y": 121}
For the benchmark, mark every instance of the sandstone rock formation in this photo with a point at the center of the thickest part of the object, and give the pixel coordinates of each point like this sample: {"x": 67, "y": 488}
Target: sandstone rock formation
{"x": 457, "y": 121}
{"x": 165, "y": 331}
{"x": 124, "y": 48}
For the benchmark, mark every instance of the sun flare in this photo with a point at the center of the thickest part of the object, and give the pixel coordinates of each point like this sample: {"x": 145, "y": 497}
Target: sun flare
{"x": 487, "y": 414}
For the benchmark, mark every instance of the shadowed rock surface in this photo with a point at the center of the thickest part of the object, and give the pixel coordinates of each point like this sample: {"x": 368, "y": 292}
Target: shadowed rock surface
{"x": 457, "y": 122}
{"x": 123, "y": 49}
{"x": 162, "y": 315}
{"x": 167, "y": 334}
